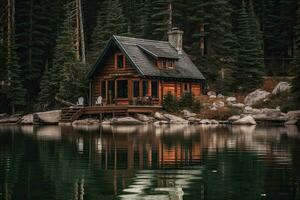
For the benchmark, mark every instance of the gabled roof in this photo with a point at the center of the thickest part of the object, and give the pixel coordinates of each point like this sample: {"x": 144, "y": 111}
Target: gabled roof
{"x": 139, "y": 53}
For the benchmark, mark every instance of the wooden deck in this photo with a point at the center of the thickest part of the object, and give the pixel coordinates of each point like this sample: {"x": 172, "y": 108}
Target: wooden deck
{"x": 74, "y": 113}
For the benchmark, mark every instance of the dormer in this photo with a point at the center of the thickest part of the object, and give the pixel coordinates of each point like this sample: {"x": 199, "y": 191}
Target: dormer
{"x": 165, "y": 63}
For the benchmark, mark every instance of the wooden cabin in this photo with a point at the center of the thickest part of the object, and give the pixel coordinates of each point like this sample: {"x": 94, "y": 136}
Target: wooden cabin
{"x": 132, "y": 71}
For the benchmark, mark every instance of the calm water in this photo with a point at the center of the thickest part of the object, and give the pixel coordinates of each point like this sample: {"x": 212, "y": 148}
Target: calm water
{"x": 144, "y": 162}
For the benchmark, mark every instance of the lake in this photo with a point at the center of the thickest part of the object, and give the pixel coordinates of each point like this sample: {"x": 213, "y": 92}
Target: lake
{"x": 146, "y": 162}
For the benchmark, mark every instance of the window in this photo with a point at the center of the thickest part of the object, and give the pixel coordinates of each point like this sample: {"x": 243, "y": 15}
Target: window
{"x": 186, "y": 87}
{"x": 164, "y": 64}
{"x": 120, "y": 61}
{"x": 154, "y": 89}
{"x": 145, "y": 88}
{"x": 122, "y": 89}
{"x": 136, "y": 89}
{"x": 103, "y": 89}
{"x": 111, "y": 89}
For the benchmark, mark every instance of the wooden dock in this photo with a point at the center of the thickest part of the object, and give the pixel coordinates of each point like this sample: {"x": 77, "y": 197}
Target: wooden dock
{"x": 74, "y": 113}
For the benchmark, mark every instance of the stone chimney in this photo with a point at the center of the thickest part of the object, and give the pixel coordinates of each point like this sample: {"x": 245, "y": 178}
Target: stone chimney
{"x": 175, "y": 39}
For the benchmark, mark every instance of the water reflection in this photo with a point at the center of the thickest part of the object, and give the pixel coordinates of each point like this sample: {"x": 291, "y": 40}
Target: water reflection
{"x": 148, "y": 162}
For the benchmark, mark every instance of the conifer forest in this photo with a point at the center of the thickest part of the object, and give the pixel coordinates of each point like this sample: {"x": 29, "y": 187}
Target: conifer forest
{"x": 48, "y": 46}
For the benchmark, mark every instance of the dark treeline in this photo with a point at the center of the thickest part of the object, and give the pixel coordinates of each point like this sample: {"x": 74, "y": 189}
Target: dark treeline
{"x": 47, "y": 46}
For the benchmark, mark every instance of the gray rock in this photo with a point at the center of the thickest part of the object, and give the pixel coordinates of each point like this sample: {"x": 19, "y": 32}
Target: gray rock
{"x": 291, "y": 122}
{"x": 13, "y": 119}
{"x": 293, "y": 115}
{"x": 27, "y": 119}
{"x": 247, "y": 120}
{"x": 231, "y": 99}
{"x": 4, "y": 115}
{"x": 194, "y": 120}
{"x": 175, "y": 119}
{"x": 256, "y": 96}
{"x": 157, "y": 123}
{"x": 126, "y": 121}
{"x": 218, "y": 104}
{"x": 188, "y": 113}
{"x": 143, "y": 118}
{"x": 159, "y": 116}
{"x": 86, "y": 122}
{"x": 234, "y": 118}
{"x": 214, "y": 121}
{"x": 49, "y": 117}
{"x": 205, "y": 121}
{"x": 210, "y": 93}
{"x": 281, "y": 88}
{"x": 236, "y": 105}
{"x": 212, "y": 96}
{"x": 221, "y": 96}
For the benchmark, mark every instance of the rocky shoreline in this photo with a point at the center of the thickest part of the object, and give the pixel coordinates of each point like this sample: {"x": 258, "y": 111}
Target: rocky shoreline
{"x": 247, "y": 115}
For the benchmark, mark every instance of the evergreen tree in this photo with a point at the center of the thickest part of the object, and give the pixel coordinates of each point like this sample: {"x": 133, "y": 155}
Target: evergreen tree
{"x": 46, "y": 94}
{"x": 248, "y": 74}
{"x": 16, "y": 92}
{"x": 159, "y": 19}
{"x": 115, "y": 21}
{"x": 98, "y": 38}
{"x": 296, "y": 80}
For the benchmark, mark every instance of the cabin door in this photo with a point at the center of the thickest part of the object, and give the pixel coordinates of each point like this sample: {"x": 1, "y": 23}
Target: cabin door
{"x": 111, "y": 91}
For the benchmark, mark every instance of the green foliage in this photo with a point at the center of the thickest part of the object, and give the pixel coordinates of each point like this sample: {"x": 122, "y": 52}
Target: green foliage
{"x": 247, "y": 75}
{"x": 196, "y": 106}
{"x": 296, "y": 80}
{"x": 186, "y": 100}
{"x": 16, "y": 92}
{"x": 159, "y": 19}
{"x": 170, "y": 103}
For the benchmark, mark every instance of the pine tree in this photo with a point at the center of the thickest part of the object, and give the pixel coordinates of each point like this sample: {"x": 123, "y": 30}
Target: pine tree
{"x": 248, "y": 74}
{"x": 46, "y": 94}
{"x": 115, "y": 21}
{"x": 16, "y": 92}
{"x": 98, "y": 38}
{"x": 159, "y": 19}
{"x": 296, "y": 80}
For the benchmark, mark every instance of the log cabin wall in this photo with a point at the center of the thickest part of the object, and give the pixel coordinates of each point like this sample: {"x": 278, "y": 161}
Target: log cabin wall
{"x": 110, "y": 72}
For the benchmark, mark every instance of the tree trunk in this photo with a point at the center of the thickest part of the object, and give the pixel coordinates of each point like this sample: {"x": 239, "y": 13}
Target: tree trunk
{"x": 83, "y": 59}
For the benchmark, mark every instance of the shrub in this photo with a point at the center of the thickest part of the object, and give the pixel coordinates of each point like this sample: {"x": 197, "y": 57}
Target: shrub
{"x": 186, "y": 100}
{"x": 196, "y": 106}
{"x": 170, "y": 103}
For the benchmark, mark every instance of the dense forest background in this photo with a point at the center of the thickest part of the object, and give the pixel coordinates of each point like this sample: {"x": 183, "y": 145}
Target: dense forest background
{"x": 47, "y": 46}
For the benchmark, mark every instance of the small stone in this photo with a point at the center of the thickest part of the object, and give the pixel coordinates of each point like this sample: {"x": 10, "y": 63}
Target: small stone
{"x": 159, "y": 116}
{"x": 231, "y": 99}
{"x": 210, "y": 93}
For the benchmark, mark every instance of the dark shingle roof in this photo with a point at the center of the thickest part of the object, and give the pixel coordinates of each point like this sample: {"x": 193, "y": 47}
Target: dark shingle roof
{"x": 139, "y": 50}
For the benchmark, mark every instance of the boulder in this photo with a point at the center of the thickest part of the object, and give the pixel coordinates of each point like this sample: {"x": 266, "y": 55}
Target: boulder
{"x": 281, "y": 88}
{"x": 144, "y": 118}
{"x": 126, "y": 121}
{"x": 27, "y": 119}
{"x": 214, "y": 121}
{"x": 159, "y": 116}
{"x": 256, "y": 96}
{"x": 218, "y": 104}
{"x": 188, "y": 114}
{"x": 175, "y": 119}
{"x": 49, "y": 117}
{"x": 231, "y": 99}
{"x": 157, "y": 123}
{"x": 247, "y": 120}
{"x": 236, "y": 105}
{"x": 291, "y": 122}
{"x": 211, "y": 93}
{"x": 3, "y": 115}
{"x": 13, "y": 119}
{"x": 205, "y": 121}
{"x": 212, "y": 96}
{"x": 86, "y": 122}
{"x": 293, "y": 115}
{"x": 194, "y": 120}
{"x": 221, "y": 96}
{"x": 234, "y": 118}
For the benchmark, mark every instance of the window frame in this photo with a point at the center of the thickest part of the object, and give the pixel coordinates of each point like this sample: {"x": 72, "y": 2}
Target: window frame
{"x": 117, "y": 55}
